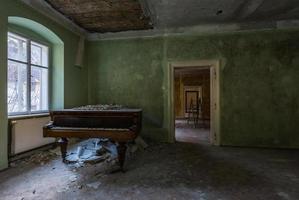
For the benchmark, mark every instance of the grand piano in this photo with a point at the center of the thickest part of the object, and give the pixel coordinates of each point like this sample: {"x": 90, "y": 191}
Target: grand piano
{"x": 115, "y": 122}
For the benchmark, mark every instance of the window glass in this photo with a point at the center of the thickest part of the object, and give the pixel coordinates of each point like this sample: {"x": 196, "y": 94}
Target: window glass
{"x": 39, "y": 54}
{"x": 17, "y": 87}
{"x": 17, "y": 48}
{"x": 39, "y": 88}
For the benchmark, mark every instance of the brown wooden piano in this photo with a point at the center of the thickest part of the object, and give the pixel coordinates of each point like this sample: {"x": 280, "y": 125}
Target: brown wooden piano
{"x": 116, "y": 123}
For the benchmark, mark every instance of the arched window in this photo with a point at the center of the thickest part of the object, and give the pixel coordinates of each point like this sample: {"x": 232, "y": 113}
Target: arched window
{"x": 35, "y": 68}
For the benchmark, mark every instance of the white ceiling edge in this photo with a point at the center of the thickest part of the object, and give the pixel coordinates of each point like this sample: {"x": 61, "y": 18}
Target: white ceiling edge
{"x": 197, "y": 30}
{"x": 47, "y": 10}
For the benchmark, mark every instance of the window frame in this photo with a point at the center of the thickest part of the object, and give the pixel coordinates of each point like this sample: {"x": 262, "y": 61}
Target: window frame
{"x": 29, "y": 65}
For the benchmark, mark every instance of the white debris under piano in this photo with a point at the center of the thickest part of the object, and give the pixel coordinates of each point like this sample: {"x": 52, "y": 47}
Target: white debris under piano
{"x": 95, "y": 150}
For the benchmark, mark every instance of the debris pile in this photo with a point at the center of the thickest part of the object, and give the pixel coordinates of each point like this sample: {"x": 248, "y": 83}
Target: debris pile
{"x": 93, "y": 151}
{"x": 87, "y": 152}
{"x": 100, "y": 107}
{"x": 38, "y": 158}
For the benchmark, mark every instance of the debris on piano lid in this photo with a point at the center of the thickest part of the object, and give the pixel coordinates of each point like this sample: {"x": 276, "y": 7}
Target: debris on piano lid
{"x": 100, "y": 107}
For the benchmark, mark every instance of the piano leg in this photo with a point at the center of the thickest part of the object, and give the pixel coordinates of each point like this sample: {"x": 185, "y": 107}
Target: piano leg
{"x": 63, "y": 147}
{"x": 121, "y": 150}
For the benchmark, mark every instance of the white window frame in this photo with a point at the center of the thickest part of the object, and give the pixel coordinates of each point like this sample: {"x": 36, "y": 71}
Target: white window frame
{"x": 29, "y": 65}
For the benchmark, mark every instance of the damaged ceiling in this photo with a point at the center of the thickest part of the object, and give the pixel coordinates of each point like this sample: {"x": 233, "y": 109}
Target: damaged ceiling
{"x": 103, "y": 16}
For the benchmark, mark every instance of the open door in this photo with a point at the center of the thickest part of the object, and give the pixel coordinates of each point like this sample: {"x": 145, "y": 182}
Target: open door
{"x": 201, "y": 106}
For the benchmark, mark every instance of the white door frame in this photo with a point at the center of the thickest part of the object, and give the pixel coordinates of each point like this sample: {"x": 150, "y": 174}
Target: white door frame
{"x": 214, "y": 66}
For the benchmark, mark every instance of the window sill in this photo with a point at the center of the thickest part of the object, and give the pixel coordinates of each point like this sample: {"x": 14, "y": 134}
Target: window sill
{"x": 31, "y": 116}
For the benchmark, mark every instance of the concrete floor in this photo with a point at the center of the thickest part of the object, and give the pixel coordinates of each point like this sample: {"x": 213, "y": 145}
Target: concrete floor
{"x": 163, "y": 171}
{"x": 185, "y": 132}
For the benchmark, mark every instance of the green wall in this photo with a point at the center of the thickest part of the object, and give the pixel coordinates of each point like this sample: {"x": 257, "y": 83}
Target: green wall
{"x": 73, "y": 80}
{"x": 3, "y": 107}
{"x": 129, "y": 73}
{"x": 259, "y": 81}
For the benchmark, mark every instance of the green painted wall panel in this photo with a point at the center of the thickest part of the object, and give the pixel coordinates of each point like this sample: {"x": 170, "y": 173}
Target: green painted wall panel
{"x": 3, "y": 107}
{"x": 259, "y": 81}
{"x": 129, "y": 73}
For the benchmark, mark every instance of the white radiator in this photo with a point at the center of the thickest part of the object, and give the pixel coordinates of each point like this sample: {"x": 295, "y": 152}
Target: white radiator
{"x": 27, "y": 134}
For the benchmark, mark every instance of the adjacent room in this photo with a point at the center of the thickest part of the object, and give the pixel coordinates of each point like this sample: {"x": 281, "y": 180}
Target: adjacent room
{"x": 192, "y": 104}
{"x": 149, "y": 99}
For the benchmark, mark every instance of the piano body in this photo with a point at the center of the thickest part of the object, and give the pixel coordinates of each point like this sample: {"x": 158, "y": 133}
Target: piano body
{"x": 116, "y": 123}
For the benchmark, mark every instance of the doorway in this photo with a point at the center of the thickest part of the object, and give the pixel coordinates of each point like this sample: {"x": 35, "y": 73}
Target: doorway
{"x": 194, "y": 102}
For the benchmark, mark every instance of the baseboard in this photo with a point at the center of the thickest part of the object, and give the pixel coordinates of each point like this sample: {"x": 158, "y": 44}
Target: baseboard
{"x": 30, "y": 152}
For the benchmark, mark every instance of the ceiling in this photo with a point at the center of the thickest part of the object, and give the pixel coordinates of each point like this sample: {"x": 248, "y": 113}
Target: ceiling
{"x": 102, "y": 16}
{"x": 178, "y": 13}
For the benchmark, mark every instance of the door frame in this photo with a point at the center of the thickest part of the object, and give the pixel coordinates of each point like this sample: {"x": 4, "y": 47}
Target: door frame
{"x": 214, "y": 66}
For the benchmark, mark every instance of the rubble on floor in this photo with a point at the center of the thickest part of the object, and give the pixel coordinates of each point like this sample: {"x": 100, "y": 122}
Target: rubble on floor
{"x": 39, "y": 158}
{"x": 162, "y": 171}
{"x": 92, "y": 151}
{"x": 88, "y": 162}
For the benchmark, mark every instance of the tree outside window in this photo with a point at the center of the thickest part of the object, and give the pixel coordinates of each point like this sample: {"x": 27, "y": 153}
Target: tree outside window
{"x": 28, "y": 76}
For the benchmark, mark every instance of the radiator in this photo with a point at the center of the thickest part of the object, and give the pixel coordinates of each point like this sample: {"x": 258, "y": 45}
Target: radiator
{"x": 27, "y": 134}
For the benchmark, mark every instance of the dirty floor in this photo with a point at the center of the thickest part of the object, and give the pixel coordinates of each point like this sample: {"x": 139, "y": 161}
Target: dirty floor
{"x": 162, "y": 171}
{"x": 187, "y": 132}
